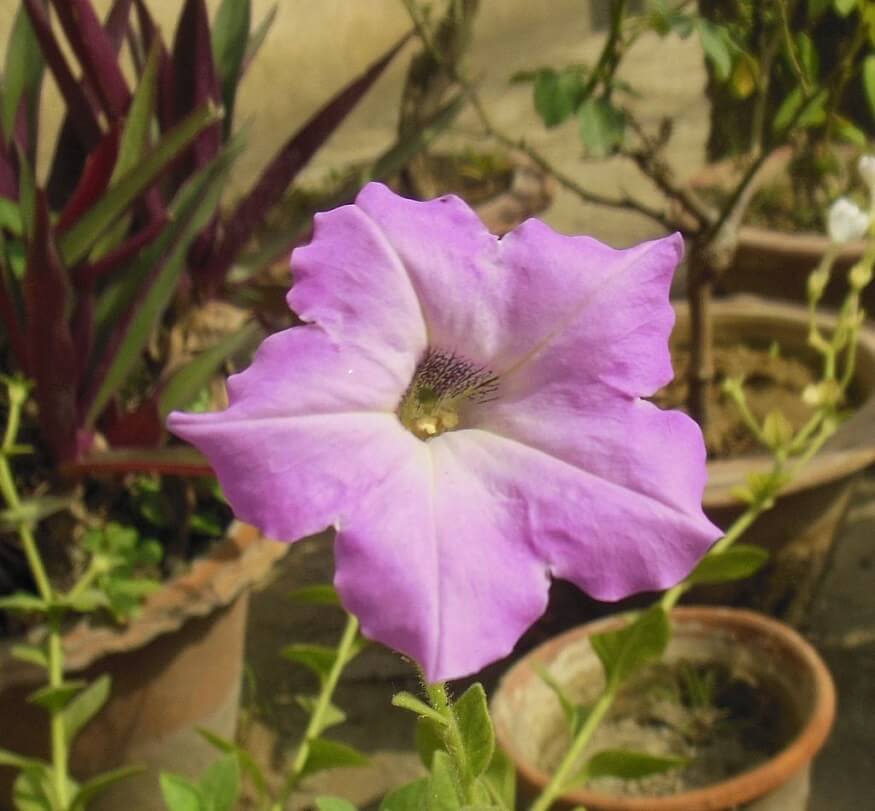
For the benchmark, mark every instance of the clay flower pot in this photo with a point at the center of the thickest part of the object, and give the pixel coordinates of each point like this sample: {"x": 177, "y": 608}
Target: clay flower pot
{"x": 774, "y": 263}
{"x": 799, "y": 530}
{"x": 174, "y": 668}
{"x": 528, "y": 716}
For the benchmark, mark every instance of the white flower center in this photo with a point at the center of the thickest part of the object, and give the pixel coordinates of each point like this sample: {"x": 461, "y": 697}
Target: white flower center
{"x": 441, "y": 384}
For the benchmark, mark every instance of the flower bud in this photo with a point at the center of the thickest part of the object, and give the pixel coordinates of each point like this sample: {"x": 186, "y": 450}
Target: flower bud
{"x": 817, "y": 281}
{"x": 846, "y": 221}
{"x": 860, "y": 275}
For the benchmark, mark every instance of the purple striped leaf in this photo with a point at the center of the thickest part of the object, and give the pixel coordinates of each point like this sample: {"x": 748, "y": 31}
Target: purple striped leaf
{"x": 118, "y": 257}
{"x": 149, "y": 35}
{"x": 93, "y": 182}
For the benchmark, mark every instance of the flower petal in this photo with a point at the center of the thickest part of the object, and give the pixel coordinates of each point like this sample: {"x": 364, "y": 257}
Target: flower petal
{"x": 349, "y": 280}
{"x": 440, "y": 566}
{"x": 586, "y": 312}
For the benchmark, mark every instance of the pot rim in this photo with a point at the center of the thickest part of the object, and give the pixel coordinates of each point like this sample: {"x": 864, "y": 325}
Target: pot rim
{"x": 726, "y": 794}
{"x": 214, "y": 580}
{"x": 849, "y": 450}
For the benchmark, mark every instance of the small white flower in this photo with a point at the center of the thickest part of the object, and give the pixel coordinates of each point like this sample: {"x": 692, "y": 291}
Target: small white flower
{"x": 846, "y": 221}
{"x": 866, "y": 168}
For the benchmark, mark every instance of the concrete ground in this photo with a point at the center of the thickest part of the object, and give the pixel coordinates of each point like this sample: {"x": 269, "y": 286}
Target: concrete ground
{"x": 670, "y": 78}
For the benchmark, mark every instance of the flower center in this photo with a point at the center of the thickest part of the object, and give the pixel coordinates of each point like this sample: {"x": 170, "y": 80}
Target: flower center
{"x": 441, "y": 385}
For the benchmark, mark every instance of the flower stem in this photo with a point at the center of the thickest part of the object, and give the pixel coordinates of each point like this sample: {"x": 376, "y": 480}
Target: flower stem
{"x": 440, "y": 702}
{"x": 17, "y": 391}
{"x": 316, "y": 724}
{"x": 557, "y": 783}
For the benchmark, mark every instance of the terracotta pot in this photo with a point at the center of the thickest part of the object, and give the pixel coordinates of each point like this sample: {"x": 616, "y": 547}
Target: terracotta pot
{"x": 527, "y": 714}
{"x": 776, "y": 264}
{"x": 177, "y": 667}
{"x": 799, "y": 530}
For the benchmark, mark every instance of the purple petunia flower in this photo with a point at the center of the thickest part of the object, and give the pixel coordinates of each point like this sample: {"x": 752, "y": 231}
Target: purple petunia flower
{"x": 465, "y": 411}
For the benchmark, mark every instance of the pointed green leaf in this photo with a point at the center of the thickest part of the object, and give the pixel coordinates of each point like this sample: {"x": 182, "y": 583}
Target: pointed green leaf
{"x": 259, "y": 35}
{"x": 429, "y": 739}
{"x": 97, "y": 785}
{"x": 316, "y": 595}
{"x": 333, "y": 804}
{"x": 22, "y": 72}
{"x": 54, "y": 699}
{"x": 844, "y": 7}
{"x": 85, "y": 706}
{"x": 86, "y": 601}
{"x": 246, "y": 761}
{"x": 30, "y": 653}
{"x": 630, "y": 765}
{"x": 736, "y": 563}
{"x": 220, "y": 784}
{"x": 408, "y": 701}
{"x": 443, "y": 794}
{"x": 186, "y": 383}
{"x": 33, "y": 510}
{"x": 556, "y": 95}
{"x": 410, "y": 797}
{"x": 332, "y": 716}
{"x": 475, "y": 727}
{"x": 869, "y": 81}
{"x": 23, "y": 602}
{"x": 75, "y": 243}
{"x": 193, "y": 207}
{"x": 714, "y": 45}
{"x": 326, "y": 754}
{"x": 230, "y": 37}
{"x": 17, "y": 761}
{"x": 10, "y": 217}
{"x": 181, "y": 794}
{"x": 625, "y": 651}
{"x": 318, "y": 658}
{"x": 33, "y": 789}
{"x": 602, "y": 127}
{"x": 569, "y": 708}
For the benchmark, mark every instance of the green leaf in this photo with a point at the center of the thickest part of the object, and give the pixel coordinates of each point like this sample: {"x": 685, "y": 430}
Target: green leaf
{"x": 30, "y": 653}
{"x": 429, "y": 739}
{"x": 443, "y": 794}
{"x": 410, "y": 797}
{"x": 186, "y": 383}
{"x": 326, "y": 754}
{"x": 844, "y": 7}
{"x": 814, "y": 114}
{"x": 97, "y": 785}
{"x": 317, "y": 658}
{"x": 22, "y": 72}
{"x": 569, "y": 709}
{"x": 85, "y": 706}
{"x": 500, "y": 779}
{"x": 602, "y": 126}
{"x": 193, "y": 207}
{"x": 332, "y": 716}
{"x": 259, "y": 35}
{"x": 220, "y": 784}
{"x": 556, "y": 95}
{"x": 475, "y": 727}
{"x": 181, "y": 794}
{"x": 316, "y": 595}
{"x": 713, "y": 39}
{"x": 333, "y": 804}
{"x": 230, "y": 37}
{"x": 23, "y": 602}
{"x": 808, "y": 56}
{"x": 850, "y": 132}
{"x": 817, "y": 7}
{"x": 75, "y": 243}
{"x": 408, "y": 701}
{"x": 630, "y": 765}
{"x": 54, "y": 699}
{"x": 32, "y": 510}
{"x": 134, "y": 142}
{"x": 86, "y": 601}
{"x": 625, "y": 651}
{"x": 10, "y": 217}
{"x": 736, "y": 563}
{"x": 17, "y": 761}
{"x": 33, "y": 789}
{"x": 247, "y": 762}
{"x": 777, "y": 430}
{"x": 869, "y": 81}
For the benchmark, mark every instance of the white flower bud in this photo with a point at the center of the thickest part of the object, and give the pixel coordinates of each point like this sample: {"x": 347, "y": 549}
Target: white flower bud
{"x": 846, "y": 221}
{"x": 866, "y": 168}
{"x": 860, "y": 275}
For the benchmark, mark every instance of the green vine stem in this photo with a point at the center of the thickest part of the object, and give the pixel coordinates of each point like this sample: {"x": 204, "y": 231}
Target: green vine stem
{"x": 17, "y": 394}
{"x": 316, "y": 724}
{"x": 440, "y": 702}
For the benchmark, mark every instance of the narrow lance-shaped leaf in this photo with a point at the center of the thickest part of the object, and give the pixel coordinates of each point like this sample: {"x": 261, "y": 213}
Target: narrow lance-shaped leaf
{"x": 176, "y": 460}
{"x": 75, "y": 243}
{"x": 259, "y": 35}
{"x": 10, "y": 314}
{"x": 96, "y": 53}
{"x": 151, "y": 37}
{"x": 121, "y": 255}
{"x": 284, "y": 167}
{"x": 22, "y": 76}
{"x": 229, "y": 40}
{"x": 8, "y": 171}
{"x": 80, "y": 107}
{"x": 196, "y": 206}
{"x": 52, "y": 356}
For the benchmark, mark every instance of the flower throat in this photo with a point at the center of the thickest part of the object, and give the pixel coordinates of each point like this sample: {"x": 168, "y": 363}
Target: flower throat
{"x": 440, "y": 386}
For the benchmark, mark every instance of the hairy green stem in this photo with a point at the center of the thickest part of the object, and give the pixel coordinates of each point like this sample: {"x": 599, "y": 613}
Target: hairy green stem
{"x": 440, "y": 702}
{"x": 316, "y": 724}
{"x": 557, "y": 782}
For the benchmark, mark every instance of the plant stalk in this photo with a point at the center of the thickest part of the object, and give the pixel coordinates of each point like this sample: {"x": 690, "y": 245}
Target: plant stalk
{"x": 440, "y": 702}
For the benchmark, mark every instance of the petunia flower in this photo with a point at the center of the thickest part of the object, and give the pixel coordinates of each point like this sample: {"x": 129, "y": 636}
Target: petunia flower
{"x": 466, "y": 412}
{"x": 846, "y": 221}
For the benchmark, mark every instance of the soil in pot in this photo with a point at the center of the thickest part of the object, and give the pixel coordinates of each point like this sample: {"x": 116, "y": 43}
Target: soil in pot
{"x": 721, "y": 722}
